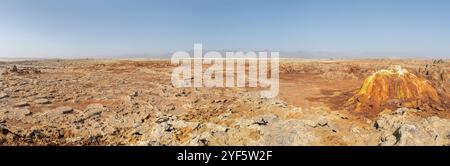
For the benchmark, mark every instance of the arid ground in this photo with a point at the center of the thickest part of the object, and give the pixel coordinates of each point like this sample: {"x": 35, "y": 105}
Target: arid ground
{"x": 132, "y": 102}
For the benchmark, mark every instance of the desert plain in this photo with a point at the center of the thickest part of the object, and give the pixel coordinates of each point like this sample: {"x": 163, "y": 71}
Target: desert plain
{"x": 132, "y": 102}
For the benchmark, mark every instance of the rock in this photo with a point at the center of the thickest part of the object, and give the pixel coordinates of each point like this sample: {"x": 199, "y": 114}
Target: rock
{"x": 170, "y": 108}
{"x": 160, "y": 117}
{"x": 17, "y": 114}
{"x": 310, "y": 123}
{"x": 168, "y": 127}
{"x": 14, "y": 68}
{"x": 25, "y": 112}
{"x": 63, "y": 110}
{"x": 137, "y": 125}
{"x": 134, "y": 94}
{"x": 178, "y": 124}
{"x": 389, "y": 121}
{"x": 183, "y": 93}
{"x": 281, "y": 104}
{"x": 412, "y": 130}
{"x": 261, "y": 122}
{"x": 322, "y": 122}
{"x": 200, "y": 140}
{"x": 160, "y": 134}
{"x": 288, "y": 132}
{"x": 147, "y": 143}
{"x": 215, "y": 128}
{"x": 216, "y": 101}
{"x": 242, "y": 122}
{"x": 265, "y": 119}
{"x": 388, "y": 140}
{"x": 224, "y": 115}
{"x": 406, "y": 134}
{"x": 3, "y": 95}
{"x": 42, "y": 101}
{"x": 21, "y": 104}
{"x": 94, "y": 109}
{"x": 404, "y": 110}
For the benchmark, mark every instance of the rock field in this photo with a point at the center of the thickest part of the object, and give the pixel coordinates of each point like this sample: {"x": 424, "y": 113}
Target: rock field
{"x": 130, "y": 102}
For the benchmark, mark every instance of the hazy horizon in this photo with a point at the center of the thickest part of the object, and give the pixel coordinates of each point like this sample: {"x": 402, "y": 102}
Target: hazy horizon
{"x": 304, "y": 28}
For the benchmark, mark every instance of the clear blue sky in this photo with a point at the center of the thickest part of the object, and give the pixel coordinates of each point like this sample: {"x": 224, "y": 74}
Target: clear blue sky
{"x": 85, "y": 28}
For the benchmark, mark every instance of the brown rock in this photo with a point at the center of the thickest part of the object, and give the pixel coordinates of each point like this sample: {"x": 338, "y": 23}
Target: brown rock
{"x": 21, "y": 104}
{"x": 63, "y": 110}
{"x": 42, "y": 101}
{"x": 3, "y": 95}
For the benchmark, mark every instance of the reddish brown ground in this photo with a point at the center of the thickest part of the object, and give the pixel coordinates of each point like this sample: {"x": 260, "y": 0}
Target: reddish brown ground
{"x": 311, "y": 90}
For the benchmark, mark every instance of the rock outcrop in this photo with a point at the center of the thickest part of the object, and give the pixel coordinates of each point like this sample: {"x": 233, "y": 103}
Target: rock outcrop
{"x": 396, "y": 87}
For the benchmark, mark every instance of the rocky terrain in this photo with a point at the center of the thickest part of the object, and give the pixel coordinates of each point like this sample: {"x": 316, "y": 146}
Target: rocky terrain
{"x": 132, "y": 102}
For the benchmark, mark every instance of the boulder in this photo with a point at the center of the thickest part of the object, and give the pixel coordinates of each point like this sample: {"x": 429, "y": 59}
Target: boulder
{"x": 21, "y": 104}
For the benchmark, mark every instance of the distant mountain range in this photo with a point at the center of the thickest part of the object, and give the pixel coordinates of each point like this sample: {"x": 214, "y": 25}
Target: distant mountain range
{"x": 311, "y": 54}
{"x": 283, "y": 54}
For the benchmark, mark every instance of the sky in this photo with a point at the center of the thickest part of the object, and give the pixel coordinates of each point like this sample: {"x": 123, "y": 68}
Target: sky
{"x": 103, "y": 28}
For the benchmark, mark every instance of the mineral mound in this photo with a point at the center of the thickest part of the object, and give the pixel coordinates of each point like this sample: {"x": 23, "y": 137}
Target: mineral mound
{"x": 396, "y": 87}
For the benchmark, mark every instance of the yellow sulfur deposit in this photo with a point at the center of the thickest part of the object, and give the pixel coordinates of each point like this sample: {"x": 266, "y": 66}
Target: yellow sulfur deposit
{"x": 394, "y": 87}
